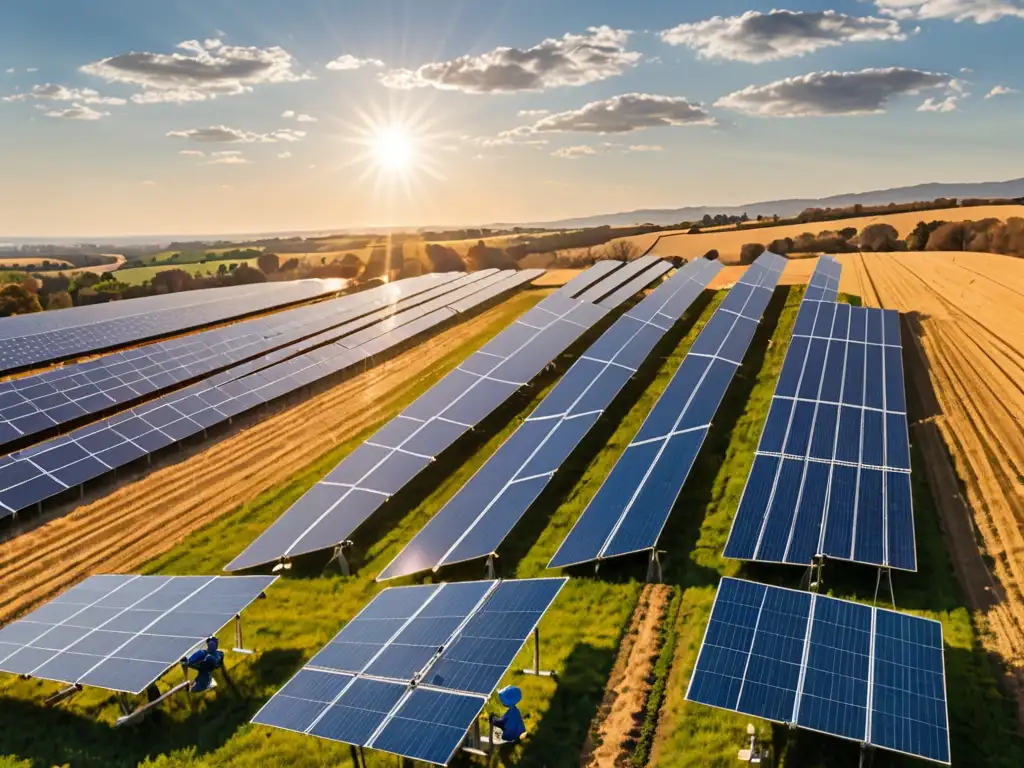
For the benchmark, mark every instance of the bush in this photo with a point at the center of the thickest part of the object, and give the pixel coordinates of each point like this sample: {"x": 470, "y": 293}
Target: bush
{"x": 749, "y": 252}
{"x": 17, "y": 300}
{"x": 483, "y": 256}
{"x": 268, "y": 263}
{"x": 444, "y": 259}
{"x": 58, "y": 300}
{"x": 711, "y": 255}
{"x": 782, "y": 246}
{"x": 350, "y": 265}
{"x": 246, "y": 275}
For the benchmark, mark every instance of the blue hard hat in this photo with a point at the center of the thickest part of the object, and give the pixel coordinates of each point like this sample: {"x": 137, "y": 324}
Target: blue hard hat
{"x": 510, "y": 695}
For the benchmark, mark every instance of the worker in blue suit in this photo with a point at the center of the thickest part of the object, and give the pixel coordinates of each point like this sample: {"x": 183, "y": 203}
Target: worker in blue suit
{"x": 511, "y": 723}
{"x": 205, "y": 662}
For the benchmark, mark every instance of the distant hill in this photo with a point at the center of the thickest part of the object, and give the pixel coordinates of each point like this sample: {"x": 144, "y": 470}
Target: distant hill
{"x": 994, "y": 189}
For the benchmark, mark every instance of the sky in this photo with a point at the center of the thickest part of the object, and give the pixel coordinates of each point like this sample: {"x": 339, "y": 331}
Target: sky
{"x": 245, "y": 116}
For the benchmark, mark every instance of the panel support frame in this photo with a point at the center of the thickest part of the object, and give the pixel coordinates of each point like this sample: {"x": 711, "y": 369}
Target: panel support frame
{"x": 654, "y": 574}
{"x": 536, "y": 670}
{"x": 878, "y": 583}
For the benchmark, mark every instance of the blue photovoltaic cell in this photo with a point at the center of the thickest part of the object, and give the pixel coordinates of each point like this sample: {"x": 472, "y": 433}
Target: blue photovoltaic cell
{"x": 479, "y": 517}
{"x": 464, "y": 398}
{"x": 30, "y": 339}
{"x": 866, "y": 674}
{"x": 389, "y": 695}
{"x": 633, "y": 504}
{"x": 122, "y": 633}
{"x": 405, "y": 310}
{"x": 838, "y": 404}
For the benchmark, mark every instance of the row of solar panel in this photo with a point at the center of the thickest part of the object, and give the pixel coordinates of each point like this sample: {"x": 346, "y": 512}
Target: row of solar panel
{"x": 331, "y": 511}
{"x": 867, "y": 674}
{"x": 412, "y": 671}
{"x": 831, "y": 472}
{"x": 49, "y": 336}
{"x": 633, "y": 504}
{"x": 122, "y": 632}
{"x": 33, "y": 475}
{"x": 34, "y": 404}
{"x": 483, "y": 512}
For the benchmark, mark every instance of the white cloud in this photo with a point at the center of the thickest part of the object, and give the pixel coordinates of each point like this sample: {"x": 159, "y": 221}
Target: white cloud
{"x": 348, "y": 62}
{"x": 757, "y": 37}
{"x": 291, "y": 114}
{"x": 284, "y": 155}
{"x": 11, "y": 71}
{"x": 646, "y": 148}
{"x": 573, "y": 153}
{"x": 149, "y": 183}
{"x": 948, "y": 104}
{"x": 228, "y": 157}
{"x": 203, "y": 71}
{"x": 832, "y": 93}
{"x": 192, "y": 152}
{"x": 966, "y": 70}
{"x": 30, "y": 70}
{"x": 226, "y": 187}
{"x": 978, "y": 11}
{"x": 1000, "y": 90}
{"x": 53, "y": 92}
{"x": 571, "y": 60}
{"x": 620, "y": 114}
{"x": 77, "y": 112}
{"x": 222, "y": 134}
{"x": 533, "y": 112}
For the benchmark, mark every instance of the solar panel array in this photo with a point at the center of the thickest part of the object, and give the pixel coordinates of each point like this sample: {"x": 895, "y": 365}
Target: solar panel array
{"x": 832, "y": 471}
{"x": 47, "y": 336}
{"x": 410, "y": 674}
{"x": 33, "y": 475}
{"x": 330, "y": 512}
{"x": 483, "y": 512}
{"x": 846, "y": 669}
{"x": 38, "y": 403}
{"x": 633, "y": 504}
{"x": 122, "y": 632}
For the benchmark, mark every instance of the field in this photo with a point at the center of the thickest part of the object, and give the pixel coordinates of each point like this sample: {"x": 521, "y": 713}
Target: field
{"x": 28, "y": 262}
{"x": 619, "y": 696}
{"x": 967, "y": 310}
{"x": 139, "y": 275}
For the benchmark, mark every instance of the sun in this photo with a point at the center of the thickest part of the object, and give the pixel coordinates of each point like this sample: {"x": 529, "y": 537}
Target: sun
{"x": 393, "y": 148}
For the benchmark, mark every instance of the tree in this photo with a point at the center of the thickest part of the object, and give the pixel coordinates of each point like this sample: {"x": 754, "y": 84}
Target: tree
{"x": 749, "y": 252}
{"x": 848, "y": 233}
{"x": 782, "y": 246}
{"x": 880, "y": 238}
{"x": 268, "y": 263}
{"x": 289, "y": 265}
{"x": 444, "y": 259}
{"x": 246, "y": 275}
{"x": 222, "y": 269}
{"x": 711, "y": 255}
{"x": 16, "y": 300}
{"x": 483, "y": 256}
{"x": 621, "y": 250}
{"x": 172, "y": 281}
{"x": 707, "y": 221}
{"x": 350, "y": 265}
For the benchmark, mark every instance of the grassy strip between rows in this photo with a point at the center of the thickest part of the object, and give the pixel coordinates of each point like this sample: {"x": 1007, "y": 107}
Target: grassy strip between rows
{"x": 669, "y": 637}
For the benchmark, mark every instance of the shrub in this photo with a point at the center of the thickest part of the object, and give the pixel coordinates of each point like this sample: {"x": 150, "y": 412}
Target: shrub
{"x": 444, "y": 259}
{"x": 711, "y": 255}
{"x": 749, "y": 252}
{"x": 16, "y": 300}
{"x": 881, "y": 237}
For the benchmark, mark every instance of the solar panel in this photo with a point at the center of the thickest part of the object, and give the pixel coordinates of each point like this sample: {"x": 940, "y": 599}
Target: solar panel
{"x": 630, "y": 509}
{"x": 35, "y": 474}
{"x": 49, "y": 336}
{"x": 330, "y": 512}
{"x": 123, "y": 632}
{"x": 831, "y": 475}
{"x": 850, "y": 670}
{"x": 483, "y": 512}
{"x": 34, "y": 404}
{"x": 412, "y": 671}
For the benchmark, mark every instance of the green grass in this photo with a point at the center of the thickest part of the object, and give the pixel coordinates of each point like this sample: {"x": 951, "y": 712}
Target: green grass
{"x": 139, "y": 275}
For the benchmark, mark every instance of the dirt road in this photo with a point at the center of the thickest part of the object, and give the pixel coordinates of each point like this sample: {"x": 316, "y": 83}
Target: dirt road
{"x": 130, "y": 525}
{"x": 967, "y": 310}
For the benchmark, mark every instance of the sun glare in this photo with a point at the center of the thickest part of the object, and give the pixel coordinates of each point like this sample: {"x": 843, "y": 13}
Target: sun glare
{"x": 393, "y": 148}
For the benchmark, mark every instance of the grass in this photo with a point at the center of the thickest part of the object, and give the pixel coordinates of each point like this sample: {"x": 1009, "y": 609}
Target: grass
{"x": 669, "y": 638}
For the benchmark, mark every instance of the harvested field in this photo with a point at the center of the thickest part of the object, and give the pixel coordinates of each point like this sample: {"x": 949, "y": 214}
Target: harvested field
{"x": 130, "y": 525}
{"x": 967, "y": 312}
{"x": 555, "y": 278}
{"x": 797, "y": 272}
{"x": 729, "y": 244}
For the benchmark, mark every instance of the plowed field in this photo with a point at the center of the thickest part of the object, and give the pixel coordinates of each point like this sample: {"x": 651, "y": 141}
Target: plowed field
{"x": 967, "y": 310}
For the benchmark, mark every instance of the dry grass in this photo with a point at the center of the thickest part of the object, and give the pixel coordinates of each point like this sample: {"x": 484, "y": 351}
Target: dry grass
{"x": 27, "y": 262}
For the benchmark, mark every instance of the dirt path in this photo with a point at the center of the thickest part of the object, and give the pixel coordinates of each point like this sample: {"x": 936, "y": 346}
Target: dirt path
{"x": 134, "y": 523}
{"x": 968, "y": 319}
{"x": 622, "y": 710}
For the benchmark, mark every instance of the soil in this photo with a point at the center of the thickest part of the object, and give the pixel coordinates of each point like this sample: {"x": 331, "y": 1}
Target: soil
{"x": 965, "y": 314}
{"x": 622, "y": 710}
{"x": 145, "y": 517}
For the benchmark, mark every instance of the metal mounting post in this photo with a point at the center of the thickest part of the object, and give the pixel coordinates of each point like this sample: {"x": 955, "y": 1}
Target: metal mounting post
{"x": 63, "y": 693}
{"x": 239, "y": 645}
{"x": 878, "y": 584}
{"x": 536, "y": 670}
{"x": 489, "y": 568}
{"x": 817, "y": 573}
{"x": 654, "y": 568}
{"x": 339, "y": 555}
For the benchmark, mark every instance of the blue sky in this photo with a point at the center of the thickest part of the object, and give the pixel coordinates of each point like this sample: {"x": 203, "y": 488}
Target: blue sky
{"x": 224, "y": 116}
